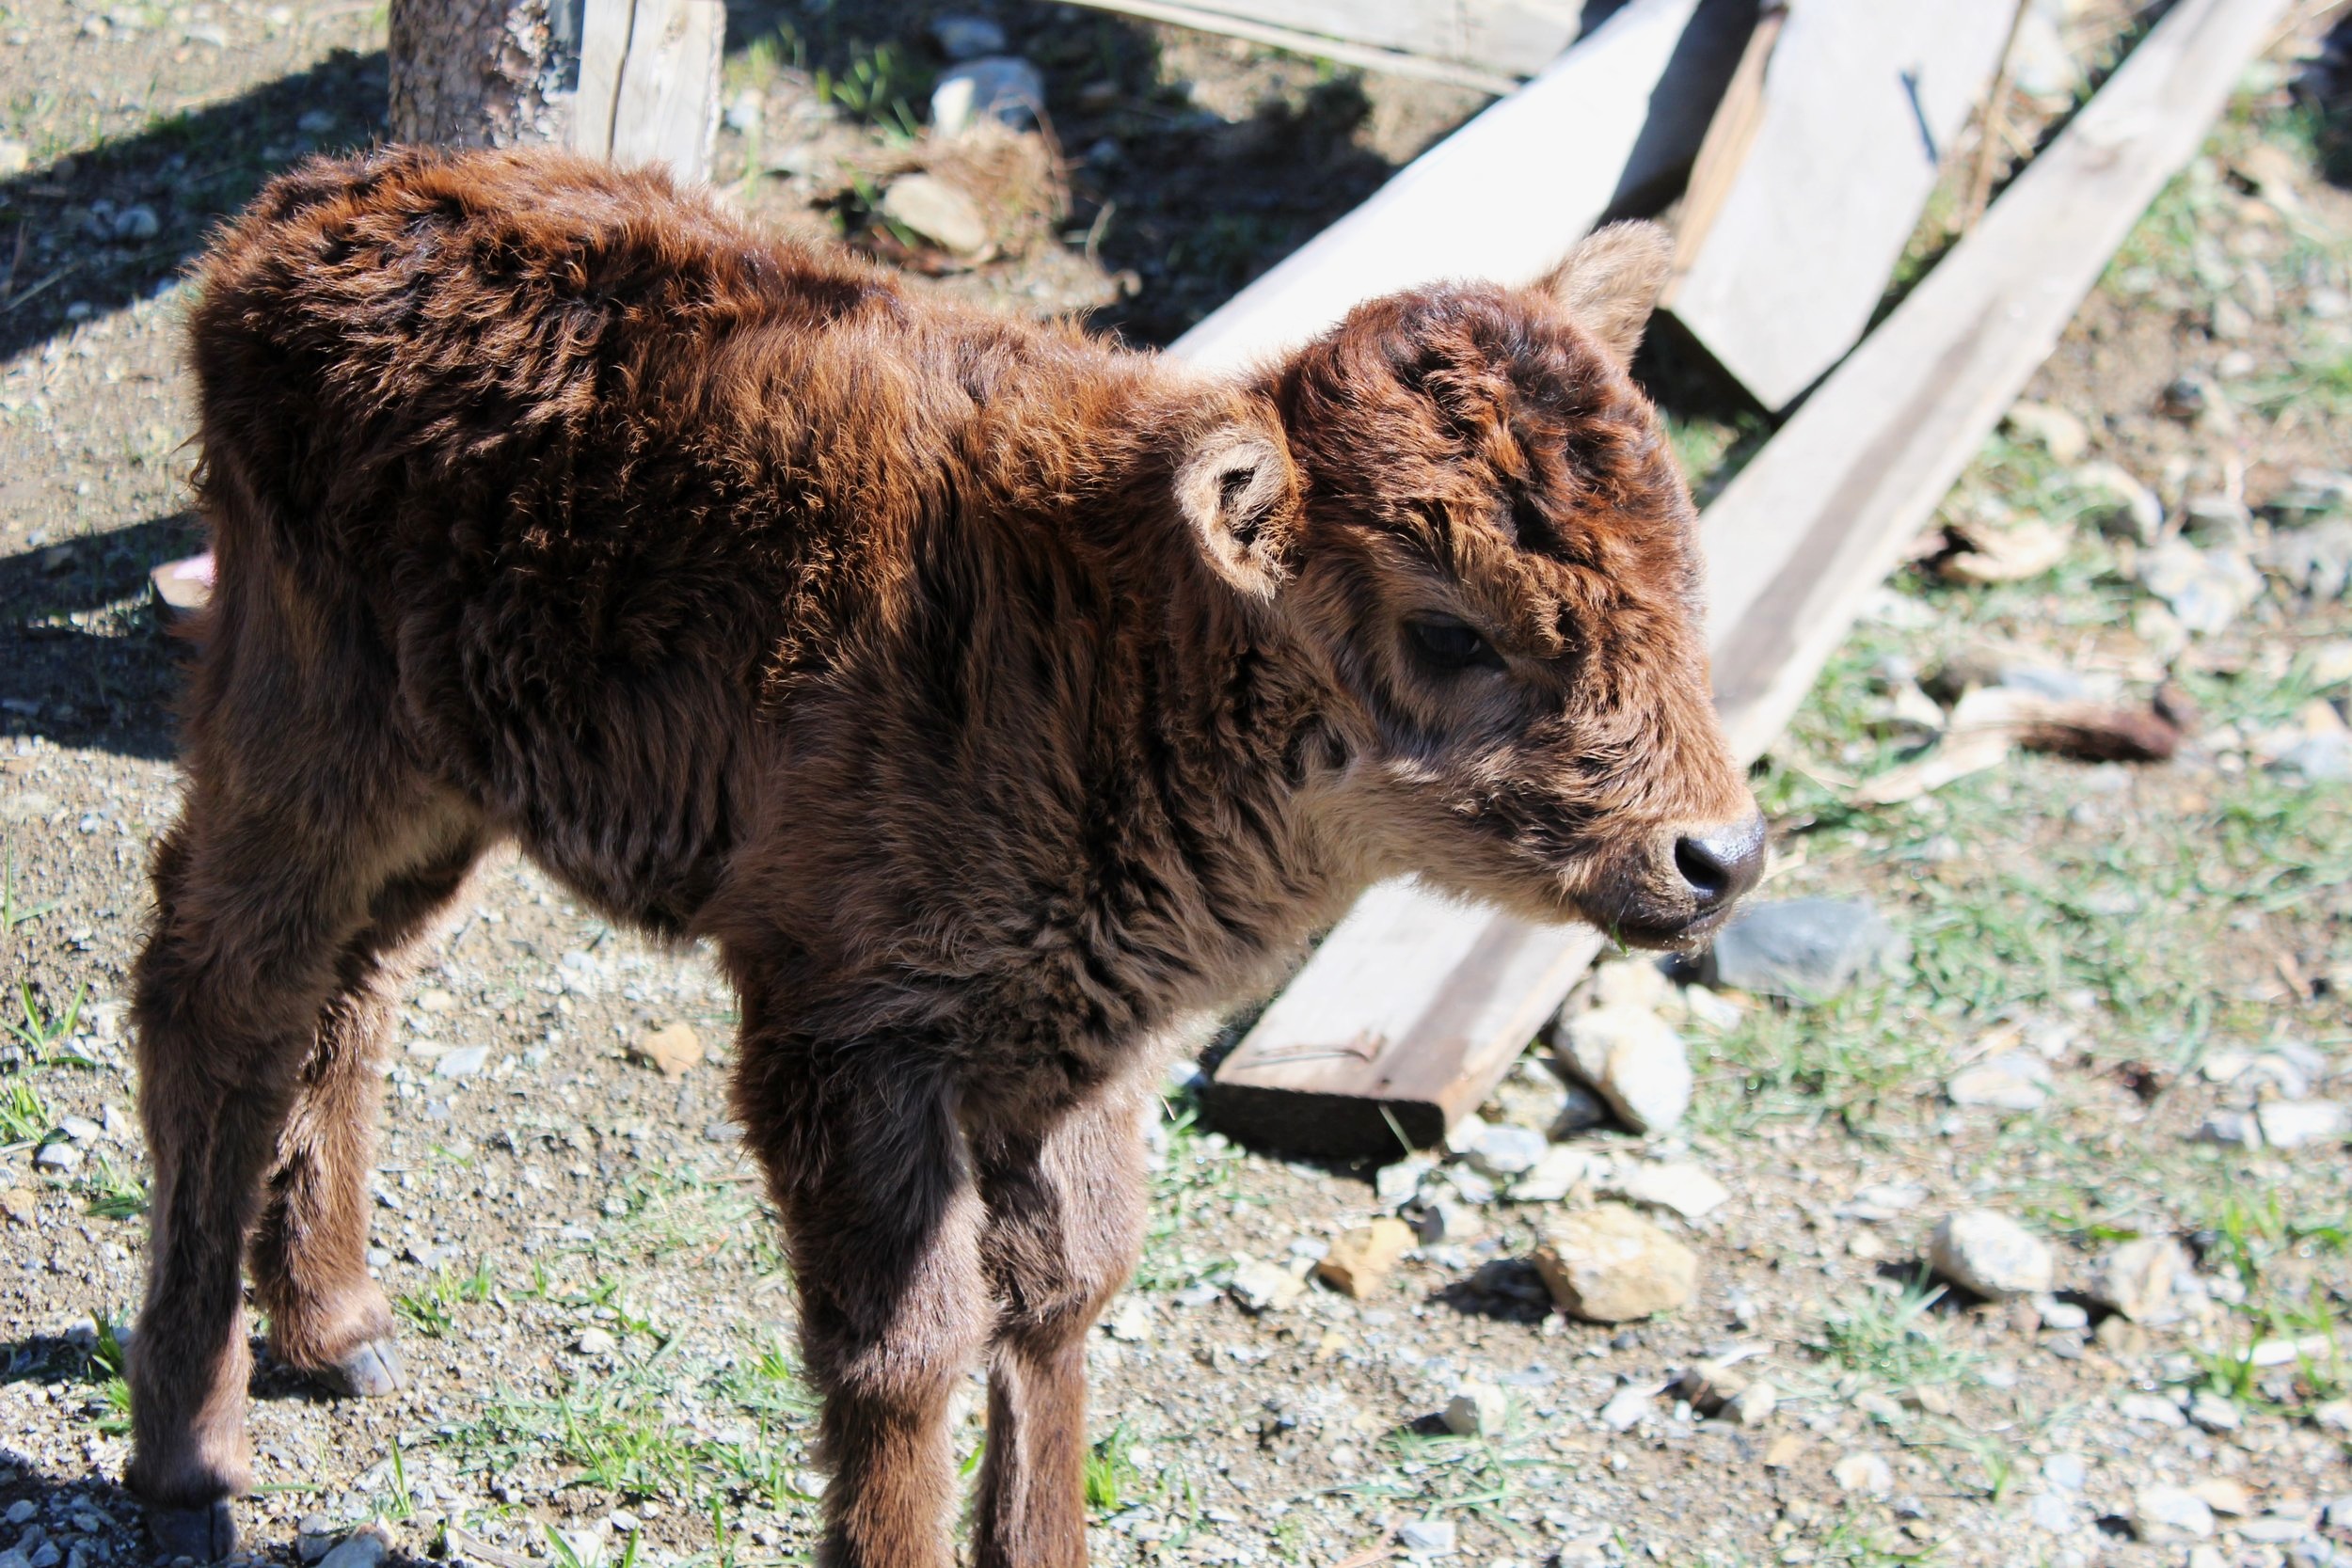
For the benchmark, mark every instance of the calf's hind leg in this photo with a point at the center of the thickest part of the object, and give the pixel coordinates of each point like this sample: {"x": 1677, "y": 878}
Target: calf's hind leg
{"x": 1065, "y": 1221}
{"x": 260, "y": 901}
{"x": 308, "y": 1256}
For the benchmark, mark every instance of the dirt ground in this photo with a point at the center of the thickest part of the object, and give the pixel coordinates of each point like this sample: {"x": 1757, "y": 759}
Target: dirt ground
{"x": 595, "y": 1312}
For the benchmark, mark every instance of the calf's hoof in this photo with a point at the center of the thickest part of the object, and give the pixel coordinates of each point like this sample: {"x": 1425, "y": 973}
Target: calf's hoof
{"x": 368, "y": 1371}
{"x": 206, "y": 1532}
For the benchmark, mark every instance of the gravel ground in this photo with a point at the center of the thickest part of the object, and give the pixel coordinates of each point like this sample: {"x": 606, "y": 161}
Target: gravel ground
{"x": 2112, "y": 971}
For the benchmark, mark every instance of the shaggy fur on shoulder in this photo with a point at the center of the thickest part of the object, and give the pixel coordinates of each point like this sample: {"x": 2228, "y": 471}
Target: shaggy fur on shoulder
{"x": 998, "y": 702}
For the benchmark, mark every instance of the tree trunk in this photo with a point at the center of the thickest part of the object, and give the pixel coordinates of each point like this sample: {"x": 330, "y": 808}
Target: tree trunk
{"x": 484, "y": 72}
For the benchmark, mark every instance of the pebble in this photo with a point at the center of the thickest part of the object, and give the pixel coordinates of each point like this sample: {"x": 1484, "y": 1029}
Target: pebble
{"x": 1991, "y": 1255}
{"x": 1679, "y": 1185}
{"x": 2053, "y": 1512}
{"x": 2151, "y": 1410}
{"x": 937, "y": 212}
{"x": 596, "y": 1341}
{"x": 1865, "y": 1473}
{"x": 2212, "y": 1413}
{"x": 1132, "y": 1323}
{"x": 463, "y": 1062}
{"x": 363, "y": 1548}
{"x": 1447, "y": 1221}
{"x": 1559, "y": 1172}
{"x": 1630, "y": 982}
{"x": 967, "y": 38}
{"x": 1627, "y": 1406}
{"x": 2064, "y": 1316}
{"x": 2057, "y": 432}
{"x": 1581, "y": 1111}
{"x": 2013, "y": 1080}
{"x": 2225, "y": 1495}
{"x": 1362, "y": 1259}
{"x": 2207, "y": 590}
{"x": 20, "y": 1204}
{"x": 2170, "y": 1513}
{"x": 2292, "y": 1123}
{"x": 2232, "y": 1129}
{"x": 57, "y": 1157}
{"x": 1801, "y": 948}
{"x": 15, "y": 157}
{"x": 1002, "y": 87}
{"x": 2066, "y": 1470}
{"x": 674, "y": 1050}
{"x": 1715, "y": 1390}
{"x": 1608, "y": 1264}
{"x": 1426, "y": 1537}
{"x": 1505, "y": 1151}
{"x": 1634, "y": 1060}
{"x": 1264, "y": 1287}
{"x": 1398, "y": 1182}
{"x": 2138, "y": 1278}
{"x": 1478, "y": 1410}
{"x": 2117, "y": 503}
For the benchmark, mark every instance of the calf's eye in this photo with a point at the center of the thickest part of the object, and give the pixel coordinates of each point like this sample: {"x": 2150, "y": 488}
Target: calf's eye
{"x": 1447, "y": 645}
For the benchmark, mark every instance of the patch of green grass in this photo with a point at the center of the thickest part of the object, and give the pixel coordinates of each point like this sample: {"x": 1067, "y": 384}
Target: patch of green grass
{"x": 1860, "y": 1057}
{"x": 1896, "y": 1343}
{"x": 878, "y": 85}
{"x": 1111, "y": 1477}
{"x": 115, "y": 1193}
{"x": 40, "y": 1026}
{"x": 431, "y": 1307}
{"x": 25, "y": 1118}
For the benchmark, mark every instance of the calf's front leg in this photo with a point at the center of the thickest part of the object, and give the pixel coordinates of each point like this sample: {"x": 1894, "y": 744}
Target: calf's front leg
{"x": 1065, "y": 1222}
{"x": 881, "y": 1224}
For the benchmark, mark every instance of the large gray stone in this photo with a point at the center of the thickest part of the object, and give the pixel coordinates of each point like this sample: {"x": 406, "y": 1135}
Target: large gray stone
{"x": 1800, "y": 947}
{"x": 1003, "y": 87}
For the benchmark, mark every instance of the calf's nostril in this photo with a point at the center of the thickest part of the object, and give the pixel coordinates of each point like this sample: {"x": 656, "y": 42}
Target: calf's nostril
{"x": 1723, "y": 863}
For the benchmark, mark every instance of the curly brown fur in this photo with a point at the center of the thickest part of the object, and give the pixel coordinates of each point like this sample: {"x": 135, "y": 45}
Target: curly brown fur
{"x": 998, "y": 702}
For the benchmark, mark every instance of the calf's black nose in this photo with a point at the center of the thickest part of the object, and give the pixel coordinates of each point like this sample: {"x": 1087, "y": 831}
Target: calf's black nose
{"x": 1721, "y": 862}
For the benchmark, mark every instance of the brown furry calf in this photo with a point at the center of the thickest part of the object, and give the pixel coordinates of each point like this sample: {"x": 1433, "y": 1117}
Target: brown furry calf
{"x": 998, "y": 702}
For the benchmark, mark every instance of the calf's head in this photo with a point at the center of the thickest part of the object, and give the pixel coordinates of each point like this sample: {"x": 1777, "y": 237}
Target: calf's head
{"x": 1474, "y": 524}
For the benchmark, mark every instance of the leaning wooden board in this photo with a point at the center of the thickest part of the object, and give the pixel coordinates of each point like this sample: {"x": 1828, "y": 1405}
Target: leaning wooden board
{"x": 1861, "y": 101}
{"x": 1481, "y": 43}
{"x": 1507, "y": 194}
{"x": 1339, "y": 1065}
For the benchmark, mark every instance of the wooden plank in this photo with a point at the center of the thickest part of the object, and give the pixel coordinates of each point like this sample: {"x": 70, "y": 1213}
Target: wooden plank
{"x": 1507, "y": 194}
{"x": 1490, "y": 44}
{"x": 1793, "y": 546}
{"x": 667, "y": 110}
{"x": 603, "y": 45}
{"x": 1860, "y": 101}
{"x": 1796, "y": 541}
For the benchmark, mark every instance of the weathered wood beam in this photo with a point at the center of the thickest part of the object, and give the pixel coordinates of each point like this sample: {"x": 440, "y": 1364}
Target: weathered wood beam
{"x": 1489, "y": 44}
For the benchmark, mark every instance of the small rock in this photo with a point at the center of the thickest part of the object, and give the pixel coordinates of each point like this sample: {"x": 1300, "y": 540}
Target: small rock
{"x": 1581, "y": 1111}
{"x": 1802, "y": 948}
{"x": 1478, "y": 1410}
{"x": 1679, "y": 1185}
{"x": 2006, "y": 553}
{"x": 745, "y": 111}
{"x": 1627, "y": 1406}
{"x": 2057, "y": 432}
{"x": 2292, "y": 1123}
{"x": 138, "y": 222}
{"x": 1505, "y": 1151}
{"x": 435, "y": 999}
{"x": 937, "y": 212}
{"x": 361, "y": 1548}
{"x": 2064, "y": 1316}
{"x": 1001, "y": 87}
{"x": 2013, "y": 1080}
{"x": 967, "y": 38}
{"x": 2151, "y": 1410}
{"x": 59, "y": 1157}
{"x": 1361, "y": 1260}
{"x": 1447, "y": 1221}
{"x": 2228, "y": 322}
{"x": 1865, "y": 1473}
{"x": 2169, "y": 1513}
{"x": 2225, "y": 1497}
{"x": 2052, "y": 1512}
{"x": 463, "y": 1062}
{"x": 15, "y": 157}
{"x": 81, "y": 1129}
{"x": 674, "y": 1050}
{"x": 1630, "y": 982}
{"x": 2316, "y": 560}
{"x": 1400, "y": 1181}
{"x": 1633, "y": 1061}
{"x": 1559, "y": 1172}
{"x": 1426, "y": 1537}
{"x": 2207, "y": 590}
{"x": 1712, "y": 1388}
{"x": 2137, "y": 1277}
{"x": 20, "y": 1204}
{"x": 2214, "y": 1414}
{"x": 2334, "y": 1416}
{"x": 1132, "y": 1323}
{"x": 1263, "y": 1287}
{"x": 2230, "y": 1129}
{"x": 2117, "y": 503}
{"x": 1991, "y": 1255}
{"x": 1754, "y": 1404}
{"x": 2066, "y": 1470}
{"x": 1608, "y": 1264}
{"x": 596, "y": 1341}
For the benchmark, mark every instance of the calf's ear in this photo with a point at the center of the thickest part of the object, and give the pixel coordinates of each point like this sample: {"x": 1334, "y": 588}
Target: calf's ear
{"x": 1236, "y": 487}
{"x": 1609, "y": 283}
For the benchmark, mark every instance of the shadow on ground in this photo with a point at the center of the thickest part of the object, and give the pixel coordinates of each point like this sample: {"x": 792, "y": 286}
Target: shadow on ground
{"x": 81, "y": 660}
